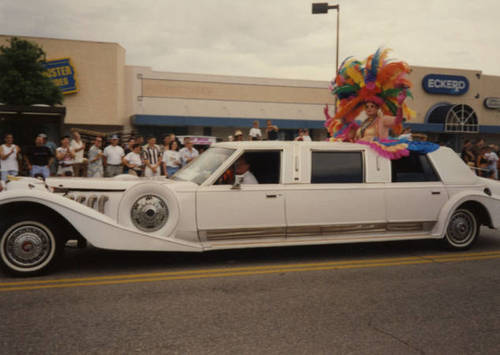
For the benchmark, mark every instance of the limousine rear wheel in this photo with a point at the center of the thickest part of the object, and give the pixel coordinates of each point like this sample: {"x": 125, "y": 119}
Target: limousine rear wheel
{"x": 28, "y": 246}
{"x": 462, "y": 230}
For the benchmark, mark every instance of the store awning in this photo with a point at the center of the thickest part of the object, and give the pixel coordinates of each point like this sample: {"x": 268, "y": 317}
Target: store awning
{"x": 164, "y": 120}
{"x": 33, "y": 110}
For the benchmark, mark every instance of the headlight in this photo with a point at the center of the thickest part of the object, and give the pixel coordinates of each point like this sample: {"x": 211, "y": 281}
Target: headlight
{"x": 149, "y": 213}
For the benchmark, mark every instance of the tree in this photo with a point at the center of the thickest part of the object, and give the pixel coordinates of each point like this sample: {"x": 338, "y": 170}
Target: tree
{"x": 22, "y": 75}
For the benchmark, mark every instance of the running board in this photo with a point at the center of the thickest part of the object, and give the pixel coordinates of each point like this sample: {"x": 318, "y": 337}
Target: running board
{"x": 312, "y": 240}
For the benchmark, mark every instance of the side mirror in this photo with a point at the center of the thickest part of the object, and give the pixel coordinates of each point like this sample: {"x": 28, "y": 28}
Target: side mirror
{"x": 238, "y": 179}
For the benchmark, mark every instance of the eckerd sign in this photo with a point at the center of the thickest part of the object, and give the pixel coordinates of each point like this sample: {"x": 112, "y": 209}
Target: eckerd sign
{"x": 445, "y": 84}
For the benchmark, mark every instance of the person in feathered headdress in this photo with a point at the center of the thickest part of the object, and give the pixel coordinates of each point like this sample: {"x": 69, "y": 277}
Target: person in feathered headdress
{"x": 380, "y": 87}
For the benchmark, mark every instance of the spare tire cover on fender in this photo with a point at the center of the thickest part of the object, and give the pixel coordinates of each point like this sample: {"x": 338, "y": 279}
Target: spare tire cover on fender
{"x": 143, "y": 190}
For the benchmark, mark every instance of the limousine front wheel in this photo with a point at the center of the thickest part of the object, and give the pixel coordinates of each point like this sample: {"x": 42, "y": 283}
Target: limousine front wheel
{"x": 28, "y": 246}
{"x": 462, "y": 230}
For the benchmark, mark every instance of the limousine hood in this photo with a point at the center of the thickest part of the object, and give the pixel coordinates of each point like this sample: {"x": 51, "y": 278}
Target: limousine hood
{"x": 118, "y": 183}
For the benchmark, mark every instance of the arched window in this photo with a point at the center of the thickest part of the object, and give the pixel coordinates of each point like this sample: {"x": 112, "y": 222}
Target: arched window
{"x": 461, "y": 119}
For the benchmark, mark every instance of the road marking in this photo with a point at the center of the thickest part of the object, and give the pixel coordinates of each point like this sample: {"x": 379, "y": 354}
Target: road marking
{"x": 241, "y": 271}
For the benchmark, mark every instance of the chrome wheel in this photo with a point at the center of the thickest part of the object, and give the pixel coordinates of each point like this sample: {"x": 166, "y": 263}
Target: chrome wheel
{"x": 462, "y": 229}
{"x": 149, "y": 213}
{"x": 27, "y": 246}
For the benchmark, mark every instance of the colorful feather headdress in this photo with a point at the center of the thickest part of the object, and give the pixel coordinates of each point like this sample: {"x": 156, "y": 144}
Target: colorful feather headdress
{"x": 377, "y": 79}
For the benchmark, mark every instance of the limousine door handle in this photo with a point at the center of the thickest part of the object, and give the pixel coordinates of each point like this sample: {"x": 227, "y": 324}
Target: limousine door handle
{"x": 436, "y": 192}
{"x": 272, "y": 195}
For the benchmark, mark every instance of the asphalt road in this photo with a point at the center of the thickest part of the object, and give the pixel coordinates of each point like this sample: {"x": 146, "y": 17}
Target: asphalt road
{"x": 402, "y": 297}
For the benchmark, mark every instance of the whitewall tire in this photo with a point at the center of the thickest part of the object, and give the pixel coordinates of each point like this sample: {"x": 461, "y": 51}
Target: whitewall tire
{"x": 462, "y": 230}
{"x": 28, "y": 246}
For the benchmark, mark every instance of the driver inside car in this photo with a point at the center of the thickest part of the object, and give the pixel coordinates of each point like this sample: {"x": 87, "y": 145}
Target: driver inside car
{"x": 242, "y": 170}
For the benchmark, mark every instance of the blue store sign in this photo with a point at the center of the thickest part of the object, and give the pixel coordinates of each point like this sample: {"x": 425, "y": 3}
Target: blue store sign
{"x": 445, "y": 84}
{"x": 63, "y": 74}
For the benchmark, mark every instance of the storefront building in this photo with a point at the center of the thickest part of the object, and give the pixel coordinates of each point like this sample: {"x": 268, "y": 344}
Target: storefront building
{"x": 109, "y": 96}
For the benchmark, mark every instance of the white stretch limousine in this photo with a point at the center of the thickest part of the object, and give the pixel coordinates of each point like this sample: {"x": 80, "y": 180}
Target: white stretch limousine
{"x": 307, "y": 193}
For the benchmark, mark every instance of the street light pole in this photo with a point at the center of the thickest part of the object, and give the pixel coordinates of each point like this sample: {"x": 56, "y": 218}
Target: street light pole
{"x": 322, "y": 8}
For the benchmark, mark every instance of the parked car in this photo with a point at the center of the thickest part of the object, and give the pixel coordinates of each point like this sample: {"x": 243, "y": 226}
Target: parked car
{"x": 307, "y": 193}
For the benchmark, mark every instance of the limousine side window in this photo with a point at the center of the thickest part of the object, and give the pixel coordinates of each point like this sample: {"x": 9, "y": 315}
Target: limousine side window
{"x": 413, "y": 168}
{"x": 336, "y": 167}
{"x": 264, "y": 165}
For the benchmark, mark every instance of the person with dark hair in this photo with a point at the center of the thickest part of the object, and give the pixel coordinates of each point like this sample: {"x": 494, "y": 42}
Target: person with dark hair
{"x": 151, "y": 158}
{"x": 8, "y": 157}
{"x": 306, "y": 137}
{"x": 65, "y": 156}
{"x": 482, "y": 162}
{"x": 139, "y": 140}
{"x": 39, "y": 158}
{"x": 166, "y": 144}
{"x": 171, "y": 159}
{"x": 467, "y": 154}
{"x": 242, "y": 170}
{"x": 300, "y": 135}
{"x": 95, "y": 168}
{"x": 271, "y": 131}
{"x": 133, "y": 161}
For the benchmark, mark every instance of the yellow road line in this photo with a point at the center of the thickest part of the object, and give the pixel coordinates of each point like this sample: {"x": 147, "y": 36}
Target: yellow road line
{"x": 247, "y": 268}
{"x": 231, "y": 272}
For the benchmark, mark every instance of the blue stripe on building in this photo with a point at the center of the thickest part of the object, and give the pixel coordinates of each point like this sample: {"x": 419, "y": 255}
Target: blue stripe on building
{"x": 165, "y": 120}
{"x": 161, "y": 120}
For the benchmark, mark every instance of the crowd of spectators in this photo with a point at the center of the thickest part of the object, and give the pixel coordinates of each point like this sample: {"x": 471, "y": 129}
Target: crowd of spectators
{"x": 482, "y": 158}
{"x": 74, "y": 157}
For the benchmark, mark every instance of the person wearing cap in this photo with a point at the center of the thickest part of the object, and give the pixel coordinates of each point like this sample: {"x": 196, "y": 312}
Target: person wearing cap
{"x": 238, "y": 135}
{"x": 188, "y": 153}
{"x": 39, "y": 158}
{"x": 113, "y": 155}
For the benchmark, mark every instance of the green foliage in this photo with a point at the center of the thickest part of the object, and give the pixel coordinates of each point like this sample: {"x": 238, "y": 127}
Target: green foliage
{"x": 22, "y": 75}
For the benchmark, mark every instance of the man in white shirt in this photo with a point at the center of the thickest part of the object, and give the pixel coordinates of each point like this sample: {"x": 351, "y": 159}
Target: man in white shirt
{"x": 188, "y": 153}
{"x": 242, "y": 170}
{"x": 65, "y": 156}
{"x": 306, "y": 137}
{"x": 8, "y": 157}
{"x": 113, "y": 155}
{"x": 134, "y": 161}
{"x": 255, "y": 133}
{"x": 493, "y": 162}
{"x": 78, "y": 147}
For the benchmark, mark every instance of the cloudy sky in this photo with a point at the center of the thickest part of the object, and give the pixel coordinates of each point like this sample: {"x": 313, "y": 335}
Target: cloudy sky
{"x": 269, "y": 38}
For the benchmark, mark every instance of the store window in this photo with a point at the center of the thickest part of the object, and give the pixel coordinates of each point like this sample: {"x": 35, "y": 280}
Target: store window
{"x": 461, "y": 119}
